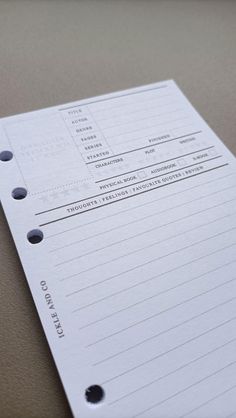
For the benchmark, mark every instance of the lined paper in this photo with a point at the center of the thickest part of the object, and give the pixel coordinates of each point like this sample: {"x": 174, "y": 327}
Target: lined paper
{"x": 133, "y": 198}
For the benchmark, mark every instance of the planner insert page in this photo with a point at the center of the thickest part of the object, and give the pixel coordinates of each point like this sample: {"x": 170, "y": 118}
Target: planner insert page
{"x": 123, "y": 211}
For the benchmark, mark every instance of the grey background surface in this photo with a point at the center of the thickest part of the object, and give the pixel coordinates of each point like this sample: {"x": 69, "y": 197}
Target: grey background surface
{"x": 53, "y": 52}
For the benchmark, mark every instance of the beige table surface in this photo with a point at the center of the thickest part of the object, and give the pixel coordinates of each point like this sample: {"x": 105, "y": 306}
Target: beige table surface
{"x": 53, "y": 52}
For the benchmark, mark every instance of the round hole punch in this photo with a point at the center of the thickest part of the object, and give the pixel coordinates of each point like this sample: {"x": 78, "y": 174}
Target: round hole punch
{"x": 35, "y": 236}
{"x": 6, "y": 156}
{"x": 94, "y": 394}
{"x": 19, "y": 193}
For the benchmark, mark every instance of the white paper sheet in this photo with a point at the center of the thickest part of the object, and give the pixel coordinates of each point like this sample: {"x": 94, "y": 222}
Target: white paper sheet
{"x": 135, "y": 277}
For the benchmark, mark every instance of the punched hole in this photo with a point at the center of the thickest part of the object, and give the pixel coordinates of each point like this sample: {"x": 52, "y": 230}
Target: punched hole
{"x": 6, "y": 156}
{"x": 94, "y": 394}
{"x": 19, "y": 193}
{"x": 35, "y": 236}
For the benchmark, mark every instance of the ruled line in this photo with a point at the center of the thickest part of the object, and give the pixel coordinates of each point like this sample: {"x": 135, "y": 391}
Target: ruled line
{"x": 173, "y": 372}
{"x": 142, "y": 321}
{"x": 131, "y": 93}
{"x": 150, "y": 230}
{"x": 158, "y": 99}
{"x": 95, "y": 302}
{"x": 142, "y": 205}
{"x": 135, "y": 121}
{"x": 209, "y": 401}
{"x": 185, "y": 389}
{"x": 154, "y": 135}
{"x": 160, "y": 175}
{"x": 130, "y": 196}
{"x": 174, "y": 348}
{"x": 165, "y": 331}
{"x": 151, "y": 279}
{"x": 158, "y": 104}
{"x": 101, "y": 194}
{"x": 148, "y": 217}
{"x": 140, "y": 130}
{"x": 160, "y": 275}
{"x": 144, "y": 147}
{"x": 152, "y": 260}
{"x": 152, "y": 165}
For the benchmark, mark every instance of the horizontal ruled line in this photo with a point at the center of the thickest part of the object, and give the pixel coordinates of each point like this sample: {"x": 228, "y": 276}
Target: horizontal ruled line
{"x": 157, "y": 335}
{"x": 101, "y": 194}
{"x": 173, "y": 372}
{"x": 219, "y": 395}
{"x": 157, "y": 104}
{"x": 140, "y": 206}
{"x": 153, "y": 165}
{"x": 185, "y": 389}
{"x": 151, "y": 135}
{"x": 150, "y": 230}
{"x": 160, "y": 275}
{"x": 176, "y": 347}
{"x": 153, "y": 295}
{"x": 146, "y": 146}
{"x": 155, "y": 259}
{"x": 156, "y": 314}
{"x": 114, "y": 97}
{"x": 134, "y": 121}
{"x": 144, "y": 129}
{"x": 148, "y": 217}
{"x": 127, "y": 197}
